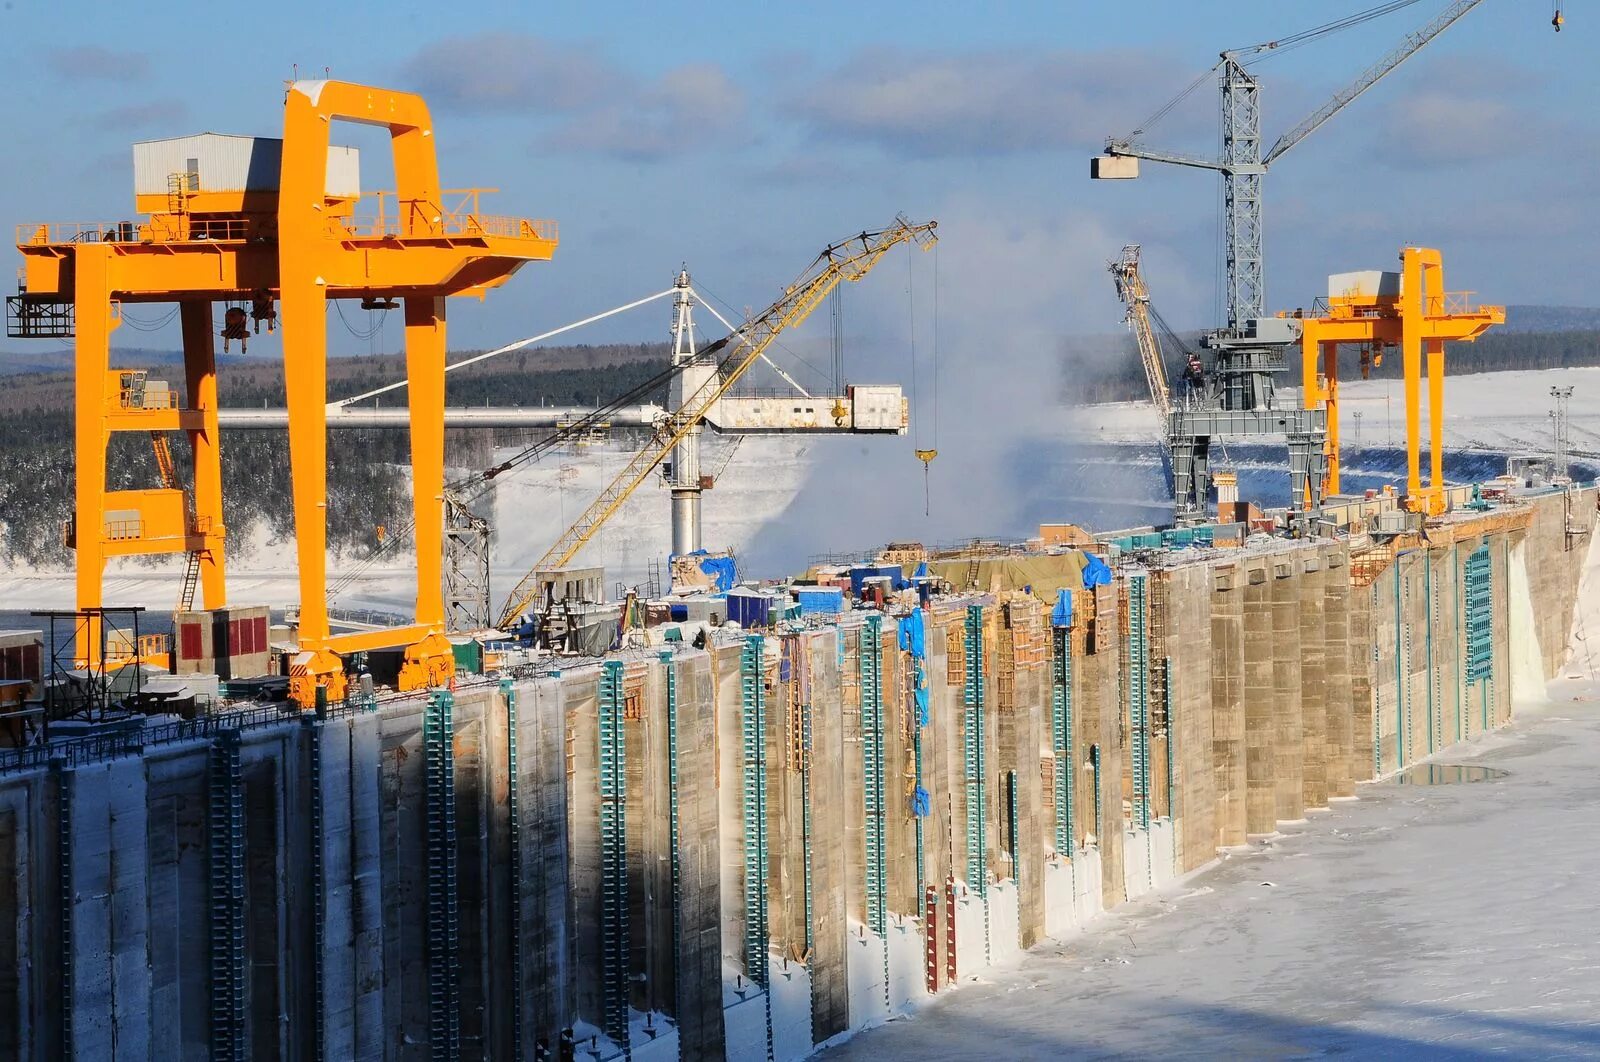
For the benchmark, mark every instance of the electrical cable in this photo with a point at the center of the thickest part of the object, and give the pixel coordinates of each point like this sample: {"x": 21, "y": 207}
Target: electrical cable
{"x": 362, "y": 336}
{"x": 149, "y": 326}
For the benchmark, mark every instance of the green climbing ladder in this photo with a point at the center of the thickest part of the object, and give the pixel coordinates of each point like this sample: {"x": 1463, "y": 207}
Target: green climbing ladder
{"x": 974, "y": 759}
{"x": 614, "y": 931}
{"x": 1139, "y": 697}
{"x": 1061, "y": 738}
{"x": 753, "y": 737}
{"x": 225, "y": 843}
{"x": 871, "y": 671}
{"x": 444, "y": 930}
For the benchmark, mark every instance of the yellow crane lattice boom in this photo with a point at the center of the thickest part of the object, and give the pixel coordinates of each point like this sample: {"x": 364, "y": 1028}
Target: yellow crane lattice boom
{"x": 1134, "y": 293}
{"x": 849, "y": 260}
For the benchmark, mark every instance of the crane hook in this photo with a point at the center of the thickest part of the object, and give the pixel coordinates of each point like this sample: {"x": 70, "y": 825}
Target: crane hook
{"x": 1558, "y": 20}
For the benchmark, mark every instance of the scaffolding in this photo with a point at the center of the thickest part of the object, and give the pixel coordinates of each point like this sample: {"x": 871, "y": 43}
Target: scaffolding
{"x": 444, "y": 1004}
{"x": 614, "y": 929}
{"x": 225, "y": 841}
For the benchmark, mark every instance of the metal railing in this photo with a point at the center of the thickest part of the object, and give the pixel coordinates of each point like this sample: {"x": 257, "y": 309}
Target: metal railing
{"x": 133, "y": 736}
{"x": 442, "y": 224}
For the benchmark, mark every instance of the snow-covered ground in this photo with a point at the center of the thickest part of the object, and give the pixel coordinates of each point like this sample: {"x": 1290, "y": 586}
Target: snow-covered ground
{"x": 532, "y": 506}
{"x": 1499, "y": 411}
{"x": 1447, "y": 921}
{"x": 778, "y": 500}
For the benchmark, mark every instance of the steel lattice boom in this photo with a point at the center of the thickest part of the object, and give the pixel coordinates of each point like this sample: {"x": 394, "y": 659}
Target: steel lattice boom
{"x": 849, "y": 260}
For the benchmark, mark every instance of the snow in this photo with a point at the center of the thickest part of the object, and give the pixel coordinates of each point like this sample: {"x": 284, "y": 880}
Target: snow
{"x": 1503, "y": 412}
{"x": 1446, "y": 921}
{"x": 532, "y": 506}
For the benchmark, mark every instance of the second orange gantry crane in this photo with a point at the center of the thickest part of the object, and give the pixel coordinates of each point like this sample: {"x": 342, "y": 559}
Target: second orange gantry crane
{"x": 1410, "y": 310}
{"x": 244, "y": 221}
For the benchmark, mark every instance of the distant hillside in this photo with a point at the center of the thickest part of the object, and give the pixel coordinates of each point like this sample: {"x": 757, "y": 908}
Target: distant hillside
{"x": 1551, "y": 319}
{"x": 1112, "y": 373}
{"x": 366, "y": 486}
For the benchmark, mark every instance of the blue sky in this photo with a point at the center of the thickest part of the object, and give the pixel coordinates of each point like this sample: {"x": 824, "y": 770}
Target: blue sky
{"x": 740, "y": 138}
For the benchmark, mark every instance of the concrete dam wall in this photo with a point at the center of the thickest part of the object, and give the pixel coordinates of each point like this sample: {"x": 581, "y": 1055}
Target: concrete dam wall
{"x": 753, "y": 848}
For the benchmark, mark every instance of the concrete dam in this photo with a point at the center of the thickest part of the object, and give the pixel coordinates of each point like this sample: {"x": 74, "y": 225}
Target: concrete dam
{"x": 752, "y": 845}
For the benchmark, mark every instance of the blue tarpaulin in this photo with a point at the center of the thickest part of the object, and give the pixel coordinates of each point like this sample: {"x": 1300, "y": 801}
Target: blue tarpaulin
{"x": 1096, "y": 572}
{"x": 912, "y": 634}
{"x": 1061, "y": 615}
{"x": 924, "y": 712}
{"x": 922, "y": 571}
{"x": 723, "y": 570}
{"x": 921, "y": 803}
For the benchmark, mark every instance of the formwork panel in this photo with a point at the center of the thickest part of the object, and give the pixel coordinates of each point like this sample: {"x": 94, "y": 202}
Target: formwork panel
{"x": 1227, "y": 703}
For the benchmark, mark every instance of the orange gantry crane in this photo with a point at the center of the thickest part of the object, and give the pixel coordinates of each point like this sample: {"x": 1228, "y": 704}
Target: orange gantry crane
{"x": 245, "y": 221}
{"x": 1410, "y": 310}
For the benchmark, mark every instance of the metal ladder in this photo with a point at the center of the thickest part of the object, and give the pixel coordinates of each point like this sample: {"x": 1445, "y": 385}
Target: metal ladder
{"x": 974, "y": 765}
{"x": 871, "y": 667}
{"x": 225, "y": 840}
{"x": 444, "y": 1011}
{"x": 169, "y": 480}
{"x": 674, "y": 823}
{"x": 1061, "y": 739}
{"x": 514, "y": 827}
{"x": 615, "y": 939}
{"x": 752, "y": 732}
{"x": 1138, "y": 698}
{"x": 319, "y": 887}
{"x": 66, "y": 898}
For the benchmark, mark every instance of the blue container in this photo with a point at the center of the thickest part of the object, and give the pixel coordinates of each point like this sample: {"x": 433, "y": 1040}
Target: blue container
{"x": 748, "y": 609}
{"x": 820, "y": 600}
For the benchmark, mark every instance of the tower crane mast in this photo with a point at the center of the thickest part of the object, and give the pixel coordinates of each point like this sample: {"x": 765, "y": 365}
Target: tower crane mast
{"x": 848, "y": 260}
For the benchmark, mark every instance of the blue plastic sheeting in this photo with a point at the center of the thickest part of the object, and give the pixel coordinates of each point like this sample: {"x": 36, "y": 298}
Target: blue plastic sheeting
{"x": 1096, "y": 572}
{"x": 913, "y": 636}
{"x": 924, "y": 711}
{"x": 723, "y": 570}
{"x": 861, "y": 573}
{"x": 921, "y": 803}
{"x": 922, "y": 571}
{"x": 1061, "y": 615}
{"x": 820, "y": 600}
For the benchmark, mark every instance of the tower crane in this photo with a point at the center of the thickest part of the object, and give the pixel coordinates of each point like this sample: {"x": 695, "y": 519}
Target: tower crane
{"x": 848, "y": 260}
{"x": 1242, "y": 164}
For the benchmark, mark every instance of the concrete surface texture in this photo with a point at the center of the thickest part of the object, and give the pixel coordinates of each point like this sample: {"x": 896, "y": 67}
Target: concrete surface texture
{"x": 700, "y": 854}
